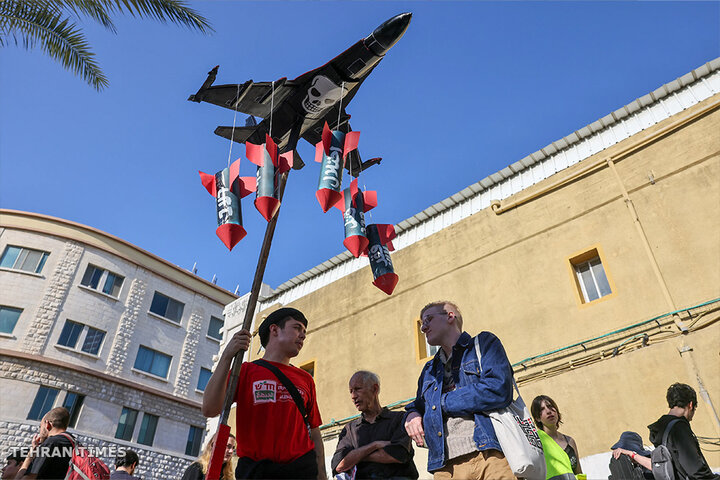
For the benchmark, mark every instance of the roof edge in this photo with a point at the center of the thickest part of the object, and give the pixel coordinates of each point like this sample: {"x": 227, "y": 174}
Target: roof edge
{"x": 9, "y": 213}
{"x": 522, "y": 165}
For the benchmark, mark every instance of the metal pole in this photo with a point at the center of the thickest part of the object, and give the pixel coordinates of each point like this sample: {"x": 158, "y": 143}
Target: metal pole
{"x": 218, "y": 453}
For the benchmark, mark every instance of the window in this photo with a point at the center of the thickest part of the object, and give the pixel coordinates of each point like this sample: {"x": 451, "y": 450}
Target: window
{"x": 8, "y": 318}
{"x": 147, "y": 429}
{"x": 95, "y": 277}
{"x": 71, "y": 333}
{"x": 203, "y": 379}
{"x": 93, "y": 340}
{"x": 43, "y": 403}
{"x": 309, "y": 367}
{"x": 25, "y": 259}
{"x": 73, "y": 402}
{"x": 590, "y": 276}
{"x": 214, "y": 330}
{"x": 126, "y": 425}
{"x": 167, "y": 307}
{"x": 192, "y": 447}
{"x": 431, "y": 349}
{"x": 424, "y": 349}
{"x": 153, "y": 362}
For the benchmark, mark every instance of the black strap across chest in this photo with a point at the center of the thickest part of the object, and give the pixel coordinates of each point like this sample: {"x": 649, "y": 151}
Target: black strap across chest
{"x": 290, "y": 387}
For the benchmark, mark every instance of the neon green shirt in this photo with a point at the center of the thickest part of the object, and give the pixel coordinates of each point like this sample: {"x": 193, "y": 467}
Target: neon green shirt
{"x": 556, "y": 460}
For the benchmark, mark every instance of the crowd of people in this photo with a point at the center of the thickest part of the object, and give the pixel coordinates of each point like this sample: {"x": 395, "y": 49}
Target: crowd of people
{"x": 52, "y": 450}
{"x": 278, "y": 415}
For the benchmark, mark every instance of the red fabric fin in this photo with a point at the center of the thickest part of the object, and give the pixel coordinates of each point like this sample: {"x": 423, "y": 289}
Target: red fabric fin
{"x": 387, "y": 282}
{"x": 390, "y": 246}
{"x": 230, "y": 234}
{"x": 340, "y": 204}
{"x": 319, "y": 152}
{"x": 356, "y": 244}
{"x": 351, "y": 142}
{"x": 386, "y": 232}
{"x": 267, "y": 206}
{"x": 271, "y": 148}
{"x": 326, "y": 138}
{"x": 371, "y": 201}
{"x": 353, "y": 189}
{"x": 285, "y": 162}
{"x": 218, "y": 453}
{"x": 329, "y": 198}
{"x": 248, "y": 185}
{"x": 254, "y": 153}
{"x": 208, "y": 182}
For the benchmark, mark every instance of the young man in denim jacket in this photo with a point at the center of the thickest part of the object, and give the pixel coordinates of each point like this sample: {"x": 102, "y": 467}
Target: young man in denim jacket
{"x": 453, "y": 392}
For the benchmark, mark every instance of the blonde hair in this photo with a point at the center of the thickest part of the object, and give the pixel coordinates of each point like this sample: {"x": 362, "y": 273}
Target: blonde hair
{"x": 204, "y": 461}
{"x": 445, "y": 304}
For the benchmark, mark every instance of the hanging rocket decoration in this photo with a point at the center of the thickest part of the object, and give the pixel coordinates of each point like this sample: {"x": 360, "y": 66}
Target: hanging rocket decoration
{"x": 380, "y": 244}
{"x": 228, "y": 188}
{"x": 354, "y": 203}
{"x": 331, "y": 152}
{"x": 270, "y": 166}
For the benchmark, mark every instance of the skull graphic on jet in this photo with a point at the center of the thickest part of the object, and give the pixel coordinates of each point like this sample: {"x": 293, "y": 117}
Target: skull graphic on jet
{"x": 323, "y": 93}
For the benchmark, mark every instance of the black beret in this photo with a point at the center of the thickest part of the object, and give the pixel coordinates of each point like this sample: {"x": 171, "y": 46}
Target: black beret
{"x": 275, "y": 318}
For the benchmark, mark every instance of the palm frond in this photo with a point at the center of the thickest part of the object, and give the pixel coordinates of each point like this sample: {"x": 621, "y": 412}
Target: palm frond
{"x": 31, "y": 23}
{"x": 90, "y": 8}
{"x": 174, "y": 11}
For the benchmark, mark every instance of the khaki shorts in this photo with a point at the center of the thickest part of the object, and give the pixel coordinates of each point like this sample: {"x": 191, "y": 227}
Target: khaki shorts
{"x": 485, "y": 465}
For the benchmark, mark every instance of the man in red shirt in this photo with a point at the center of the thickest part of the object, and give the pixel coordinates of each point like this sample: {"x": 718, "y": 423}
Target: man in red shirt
{"x": 273, "y": 438}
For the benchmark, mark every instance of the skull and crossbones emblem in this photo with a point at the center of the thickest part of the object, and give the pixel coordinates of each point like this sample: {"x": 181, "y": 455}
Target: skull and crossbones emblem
{"x": 322, "y": 94}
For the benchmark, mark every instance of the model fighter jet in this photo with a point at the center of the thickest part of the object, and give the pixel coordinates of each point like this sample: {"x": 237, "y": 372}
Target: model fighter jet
{"x": 302, "y": 106}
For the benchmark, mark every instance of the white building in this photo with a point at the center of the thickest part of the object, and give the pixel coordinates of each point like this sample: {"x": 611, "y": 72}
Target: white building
{"x": 122, "y": 338}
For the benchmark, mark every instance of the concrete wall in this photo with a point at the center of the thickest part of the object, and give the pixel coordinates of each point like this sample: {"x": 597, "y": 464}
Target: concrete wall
{"x": 511, "y": 274}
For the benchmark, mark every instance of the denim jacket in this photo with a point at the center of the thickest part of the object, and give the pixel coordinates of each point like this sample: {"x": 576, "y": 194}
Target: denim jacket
{"x": 476, "y": 391}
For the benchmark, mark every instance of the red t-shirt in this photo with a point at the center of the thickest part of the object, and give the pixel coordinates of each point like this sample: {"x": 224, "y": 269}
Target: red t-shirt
{"x": 268, "y": 423}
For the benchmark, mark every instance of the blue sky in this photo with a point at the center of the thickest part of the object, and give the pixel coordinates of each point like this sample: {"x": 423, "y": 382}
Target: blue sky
{"x": 471, "y": 88}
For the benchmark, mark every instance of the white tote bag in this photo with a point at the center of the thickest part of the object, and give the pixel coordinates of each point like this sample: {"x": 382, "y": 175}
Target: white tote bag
{"x": 518, "y": 437}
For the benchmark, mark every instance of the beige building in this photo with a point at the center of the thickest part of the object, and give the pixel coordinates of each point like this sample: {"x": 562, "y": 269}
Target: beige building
{"x": 122, "y": 338}
{"x": 596, "y": 261}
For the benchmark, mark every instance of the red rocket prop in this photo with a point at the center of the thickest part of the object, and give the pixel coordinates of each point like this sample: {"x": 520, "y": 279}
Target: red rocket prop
{"x": 354, "y": 203}
{"x": 270, "y": 166}
{"x": 228, "y": 187}
{"x": 380, "y": 238}
{"x": 331, "y": 152}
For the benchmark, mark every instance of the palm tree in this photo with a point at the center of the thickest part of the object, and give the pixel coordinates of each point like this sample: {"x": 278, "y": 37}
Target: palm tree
{"x": 49, "y": 23}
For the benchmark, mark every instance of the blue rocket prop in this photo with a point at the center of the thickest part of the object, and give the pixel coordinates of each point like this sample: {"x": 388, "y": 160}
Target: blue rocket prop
{"x": 354, "y": 203}
{"x": 331, "y": 152}
{"x": 270, "y": 166}
{"x": 228, "y": 187}
{"x": 380, "y": 245}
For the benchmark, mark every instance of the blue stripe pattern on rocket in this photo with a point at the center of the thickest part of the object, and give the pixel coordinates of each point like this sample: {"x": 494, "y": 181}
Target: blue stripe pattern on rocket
{"x": 379, "y": 246}
{"x": 228, "y": 188}
{"x": 270, "y": 166}
{"x": 331, "y": 153}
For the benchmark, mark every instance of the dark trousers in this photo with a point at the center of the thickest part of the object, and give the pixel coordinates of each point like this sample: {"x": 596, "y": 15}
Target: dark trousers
{"x": 304, "y": 467}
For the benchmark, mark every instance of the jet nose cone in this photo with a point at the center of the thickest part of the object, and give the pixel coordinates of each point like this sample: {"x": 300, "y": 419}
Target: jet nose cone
{"x": 388, "y": 34}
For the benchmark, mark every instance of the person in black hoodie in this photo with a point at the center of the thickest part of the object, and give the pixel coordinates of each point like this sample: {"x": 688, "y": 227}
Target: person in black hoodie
{"x": 51, "y": 448}
{"x": 688, "y": 460}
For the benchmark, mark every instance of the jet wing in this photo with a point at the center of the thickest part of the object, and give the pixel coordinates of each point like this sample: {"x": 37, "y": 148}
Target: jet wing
{"x": 250, "y": 97}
